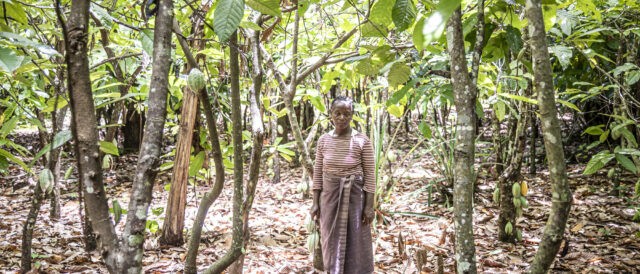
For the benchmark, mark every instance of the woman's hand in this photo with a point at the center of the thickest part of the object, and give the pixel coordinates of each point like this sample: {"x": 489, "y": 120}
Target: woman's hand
{"x": 368, "y": 213}
{"x": 315, "y": 207}
{"x": 315, "y": 211}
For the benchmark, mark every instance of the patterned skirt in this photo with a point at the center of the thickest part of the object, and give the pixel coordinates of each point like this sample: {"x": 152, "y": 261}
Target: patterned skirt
{"x": 346, "y": 240}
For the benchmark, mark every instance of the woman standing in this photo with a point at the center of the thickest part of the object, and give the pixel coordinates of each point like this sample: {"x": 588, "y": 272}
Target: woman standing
{"x": 343, "y": 187}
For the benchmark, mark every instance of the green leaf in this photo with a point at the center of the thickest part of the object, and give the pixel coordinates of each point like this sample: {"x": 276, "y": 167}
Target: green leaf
{"x": 563, "y": 53}
{"x": 146, "y": 39}
{"x": 110, "y": 148}
{"x": 500, "y": 109}
{"x": 519, "y": 98}
{"x": 514, "y": 39}
{"x": 398, "y": 74}
{"x": 227, "y": 17}
{"x": 316, "y": 101}
{"x": 594, "y": 130}
{"x": 286, "y": 151}
{"x": 418, "y": 37}
{"x": 396, "y": 110}
{"x": 61, "y": 138}
{"x": 568, "y": 104}
{"x": 433, "y": 26}
{"x": 381, "y": 12}
{"x": 8, "y": 126}
{"x": 196, "y": 164}
{"x": 425, "y": 130}
{"x": 549, "y": 13}
{"x": 625, "y": 162}
{"x": 268, "y": 7}
{"x": 403, "y": 13}
{"x": 9, "y": 61}
{"x": 68, "y": 173}
{"x": 14, "y": 159}
{"x": 45, "y": 180}
{"x": 117, "y": 211}
{"x": 15, "y": 11}
{"x": 371, "y": 29}
{"x": 367, "y": 67}
{"x": 597, "y": 162}
{"x": 632, "y": 77}
{"x": 19, "y": 40}
{"x": 628, "y": 151}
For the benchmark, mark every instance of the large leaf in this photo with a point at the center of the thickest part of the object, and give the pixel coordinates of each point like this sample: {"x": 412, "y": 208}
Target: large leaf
{"x": 519, "y": 98}
{"x": 109, "y": 148}
{"x": 268, "y": 7}
{"x": 625, "y": 162}
{"x": 398, "y": 74}
{"x": 196, "y": 164}
{"x": 563, "y": 53}
{"x": 381, "y": 12}
{"x": 404, "y": 12}
{"x": 367, "y": 67}
{"x": 597, "y": 162}
{"x": 15, "y": 11}
{"x": 146, "y": 39}
{"x": 14, "y": 159}
{"x": 9, "y": 61}
{"x": 227, "y": 18}
{"x": 371, "y": 29}
{"x": 396, "y": 110}
{"x": 18, "y": 40}
{"x": 61, "y": 138}
{"x": 433, "y": 26}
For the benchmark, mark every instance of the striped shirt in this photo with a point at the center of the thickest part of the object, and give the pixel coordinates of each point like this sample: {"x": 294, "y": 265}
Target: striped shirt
{"x": 344, "y": 156}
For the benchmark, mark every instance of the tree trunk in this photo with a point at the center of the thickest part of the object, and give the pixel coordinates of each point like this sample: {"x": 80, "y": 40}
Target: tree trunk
{"x": 560, "y": 193}
{"x": 174, "y": 220}
{"x": 214, "y": 193}
{"x": 236, "y": 118}
{"x": 84, "y": 128}
{"x": 149, "y": 157}
{"x": 27, "y": 229}
{"x": 464, "y": 178}
{"x": 126, "y": 256}
{"x": 257, "y": 131}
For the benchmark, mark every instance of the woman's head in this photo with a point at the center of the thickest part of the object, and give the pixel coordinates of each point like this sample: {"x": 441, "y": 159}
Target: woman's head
{"x": 341, "y": 113}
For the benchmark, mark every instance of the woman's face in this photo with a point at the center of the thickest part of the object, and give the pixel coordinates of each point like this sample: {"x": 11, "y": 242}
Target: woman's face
{"x": 341, "y": 116}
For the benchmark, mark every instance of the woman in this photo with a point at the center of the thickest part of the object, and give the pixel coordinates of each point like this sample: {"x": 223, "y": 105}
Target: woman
{"x": 343, "y": 188}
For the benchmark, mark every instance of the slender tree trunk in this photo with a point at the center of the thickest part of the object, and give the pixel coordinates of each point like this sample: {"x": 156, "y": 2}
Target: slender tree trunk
{"x": 560, "y": 193}
{"x": 27, "y": 229}
{"x": 84, "y": 128}
{"x": 236, "y": 118}
{"x": 149, "y": 157}
{"x": 257, "y": 131}
{"x": 465, "y": 101}
{"x": 214, "y": 193}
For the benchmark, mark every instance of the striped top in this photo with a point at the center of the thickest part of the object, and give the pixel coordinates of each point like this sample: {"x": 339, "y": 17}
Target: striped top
{"x": 344, "y": 156}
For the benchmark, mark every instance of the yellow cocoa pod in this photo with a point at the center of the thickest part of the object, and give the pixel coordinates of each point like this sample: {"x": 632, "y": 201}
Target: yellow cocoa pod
{"x": 508, "y": 228}
{"x": 496, "y": 196}
{"x": 515, "y": 190}
{"x": 524, "y": 188}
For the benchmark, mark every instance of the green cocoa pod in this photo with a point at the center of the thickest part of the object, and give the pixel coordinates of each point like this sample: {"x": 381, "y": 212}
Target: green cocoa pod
{"x": 496, "y": 196}
{"x": 310, "y": 224}
{"x": 312, "y": 241}
{"x": 523, "y": 202}
{"x": 519, "y": 235}
{"x": 515, "y": 190}
{"x": 517, "y": 202}
{"x": 508, "y": 228}
{"x": 196, "y": 80}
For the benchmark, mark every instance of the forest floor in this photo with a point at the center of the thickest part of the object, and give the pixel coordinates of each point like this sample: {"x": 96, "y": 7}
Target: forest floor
{"x": 601, "y": 236}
